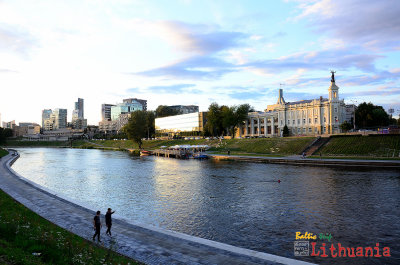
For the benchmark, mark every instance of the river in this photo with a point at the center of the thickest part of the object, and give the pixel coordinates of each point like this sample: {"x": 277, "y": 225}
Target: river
{"x": 237, "y": 203}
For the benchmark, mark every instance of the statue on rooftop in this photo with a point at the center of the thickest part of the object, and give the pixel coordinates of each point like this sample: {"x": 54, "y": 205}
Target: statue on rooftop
{"x": 333, "y": 76}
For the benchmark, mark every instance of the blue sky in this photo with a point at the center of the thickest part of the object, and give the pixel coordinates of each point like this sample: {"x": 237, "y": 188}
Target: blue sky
{"x": 194, "y": 52}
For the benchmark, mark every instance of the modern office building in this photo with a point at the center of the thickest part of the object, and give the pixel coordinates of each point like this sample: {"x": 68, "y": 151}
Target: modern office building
{"x": 106, "y": 112}
{"x": 46, "y": 116}
{"x": 124, "y": 108}
{"x": 114, "y": 117}
{"x": 143, "y": 102}
{"x": 78, "y": 121}
{"x": 60, "y": 118}
{"x": 78, "y": 111}
{"x": 305, "y": 117}
{"x": 191, "y": 122}
{"x": 54, "y": 120}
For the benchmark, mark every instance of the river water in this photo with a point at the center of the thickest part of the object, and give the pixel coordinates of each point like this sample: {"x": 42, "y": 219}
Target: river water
{"x": 237, "y": 203}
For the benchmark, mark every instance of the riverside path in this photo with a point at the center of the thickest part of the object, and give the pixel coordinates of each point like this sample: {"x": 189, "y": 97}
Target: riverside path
{"x": 143, "y": 243}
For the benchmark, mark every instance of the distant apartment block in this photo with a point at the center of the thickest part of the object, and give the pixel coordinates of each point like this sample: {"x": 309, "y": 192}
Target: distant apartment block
{"x": 26, "y": 128}
{"x": 9, "y": 125}
{"x": 106, "y": 112}
{"x": 184, "y": 109}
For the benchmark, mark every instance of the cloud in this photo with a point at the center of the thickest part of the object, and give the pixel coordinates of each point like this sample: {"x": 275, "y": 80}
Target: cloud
{"x": 171, "y": 89}
{"x": 317, "y": 60}
{"x": 194, "y": 39}
{"x": 7, "y": 71}
{"x": 197, "y": 68}
{"x": 16, "y": 39}
{"x": 368, "y": 23}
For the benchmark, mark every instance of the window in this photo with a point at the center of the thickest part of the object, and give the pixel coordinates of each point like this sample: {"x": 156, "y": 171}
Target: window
{"x": 298, "y": 121}
{"x": 298, "y": 130}
{"x": 304, "y": 121}
{"x": 315, "y": 120}
{"x": 336, "y": 119}
{"x": 309, "y": 130}
{"x": 335, "y": 109}
{"x": 324, "y": 119}
{"x": 309, "y": 120}
{"x": 304, "y": 130}
{"x": 281, "y": 122}
{"x": 294, "y": 122}
{"x": 288, "y": 122}
{"x": 324, "y": 129}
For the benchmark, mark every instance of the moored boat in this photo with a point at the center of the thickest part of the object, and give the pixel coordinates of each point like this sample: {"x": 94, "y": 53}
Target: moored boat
{"x": 145, "y": 153}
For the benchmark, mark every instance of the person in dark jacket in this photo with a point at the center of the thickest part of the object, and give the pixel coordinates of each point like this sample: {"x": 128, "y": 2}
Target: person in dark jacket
{"x": 108, "y": 221}
{"x": 97, "y": 226}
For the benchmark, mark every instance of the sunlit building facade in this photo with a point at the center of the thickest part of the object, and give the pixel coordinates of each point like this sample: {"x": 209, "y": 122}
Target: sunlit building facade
{"x": 305, "y": 117}
{"x": 191, "y": 122}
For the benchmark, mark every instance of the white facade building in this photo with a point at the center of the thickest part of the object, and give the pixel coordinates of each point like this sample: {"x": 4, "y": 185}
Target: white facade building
{"x": 305, "y": 117}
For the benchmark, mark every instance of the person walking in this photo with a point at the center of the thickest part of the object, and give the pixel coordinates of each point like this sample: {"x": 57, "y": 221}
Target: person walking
{"x": 108, "y": 221}
{"x": 97, "y": 226}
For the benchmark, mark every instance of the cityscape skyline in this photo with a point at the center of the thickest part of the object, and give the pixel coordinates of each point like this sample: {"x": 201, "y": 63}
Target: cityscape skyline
{"x": 191, "y": 53}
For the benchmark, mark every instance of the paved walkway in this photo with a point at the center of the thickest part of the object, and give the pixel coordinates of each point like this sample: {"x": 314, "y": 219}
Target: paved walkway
{"x": 143, "y": 243}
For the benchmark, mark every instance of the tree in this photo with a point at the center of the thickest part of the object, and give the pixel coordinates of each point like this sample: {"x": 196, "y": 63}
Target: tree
{"x": 214, "y": 120}
{"x": 136, "y": 128}
{"x": 345, "y": 126}
{"x": 370, "y": 115}
{"x": 224, "y": 119}
{"x": 150, "y": 124}
{"x": 4, "y": 134}
{"x": 285, "y": 131}
{"x": 165, "y": 111}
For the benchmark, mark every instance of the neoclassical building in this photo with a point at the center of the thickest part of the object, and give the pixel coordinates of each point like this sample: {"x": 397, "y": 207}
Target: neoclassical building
{"x": 305, "y": 117}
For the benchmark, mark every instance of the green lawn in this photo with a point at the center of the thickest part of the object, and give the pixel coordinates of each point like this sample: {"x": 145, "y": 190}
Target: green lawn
{"x": 366, "y": 146}
{"x": 3, "y": 152}
{"x": 23, "y": 233}
{"x": 267, "y": 146}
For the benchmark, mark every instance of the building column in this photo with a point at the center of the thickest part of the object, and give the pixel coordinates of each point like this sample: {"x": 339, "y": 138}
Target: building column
{"x": 252, "y": 127}
{"x": 258, "y": 126}
{"x": 273, "y": 126}
{"x": 265, "y": 127}
{"x": 247, "y": 126}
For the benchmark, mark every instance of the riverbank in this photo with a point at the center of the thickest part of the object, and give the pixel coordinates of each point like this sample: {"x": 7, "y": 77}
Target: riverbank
{"x": 353, "y": 147}
{"x": 141, "y": 242}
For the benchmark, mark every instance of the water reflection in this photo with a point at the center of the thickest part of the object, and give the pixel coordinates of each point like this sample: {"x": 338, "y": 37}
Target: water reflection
{"x": 237, "y": 203}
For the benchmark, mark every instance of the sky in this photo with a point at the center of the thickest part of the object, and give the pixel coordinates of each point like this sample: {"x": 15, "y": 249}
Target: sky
{"x": 194, "y": 53}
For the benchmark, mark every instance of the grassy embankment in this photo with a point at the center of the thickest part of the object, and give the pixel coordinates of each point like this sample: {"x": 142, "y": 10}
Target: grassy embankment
{"x": 259, "y": 146}
{"x": 363, "y": 147}
{"x": 3, "y": 152}
{"x": 23, "y": 234}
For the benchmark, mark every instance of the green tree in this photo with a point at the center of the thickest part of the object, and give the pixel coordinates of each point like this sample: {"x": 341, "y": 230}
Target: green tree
{"x": 214, "y": 120}
{"x": 285, "y": 131}
{"x": 370, "y": 115}
{"x": 150, "y": 124}
{"x": 165, "y": 111}
{"x": 136, "y": 128}
{"x": 4, "y": 134}
{"x": 345, "y": 126}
